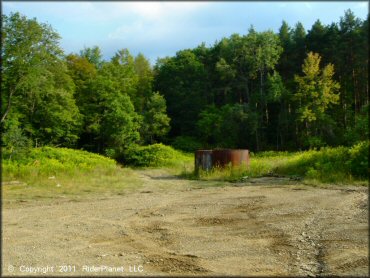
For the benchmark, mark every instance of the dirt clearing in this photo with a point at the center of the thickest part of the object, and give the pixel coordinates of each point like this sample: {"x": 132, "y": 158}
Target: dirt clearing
{"x": 172, "y": 226}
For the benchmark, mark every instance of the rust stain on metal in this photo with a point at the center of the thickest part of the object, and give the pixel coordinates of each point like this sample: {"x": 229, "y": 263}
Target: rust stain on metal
{"x": 207, "y": 159}
{"x": 224, "y": 157}
{"x": 203, "y": 159}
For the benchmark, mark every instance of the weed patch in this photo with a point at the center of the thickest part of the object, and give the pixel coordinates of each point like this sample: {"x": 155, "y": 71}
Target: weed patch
{"x": 327, "y": 165}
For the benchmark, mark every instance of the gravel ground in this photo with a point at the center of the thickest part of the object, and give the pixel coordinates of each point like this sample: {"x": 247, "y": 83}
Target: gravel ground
{"x": 174, "y": 226}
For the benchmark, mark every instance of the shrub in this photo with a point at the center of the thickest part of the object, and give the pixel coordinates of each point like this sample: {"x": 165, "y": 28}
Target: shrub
{"x": 327, "y": 165}
{"x": 359, "y": 159}
{"x": 154, "y": 156}
{"x": 52, "y": 161}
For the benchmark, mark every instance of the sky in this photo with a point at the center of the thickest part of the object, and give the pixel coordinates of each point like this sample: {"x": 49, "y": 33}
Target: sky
{"x": 159, "y": 29}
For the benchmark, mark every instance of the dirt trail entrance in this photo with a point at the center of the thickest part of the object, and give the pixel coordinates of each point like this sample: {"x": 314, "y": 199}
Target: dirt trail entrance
{"x": 180, "y": 227}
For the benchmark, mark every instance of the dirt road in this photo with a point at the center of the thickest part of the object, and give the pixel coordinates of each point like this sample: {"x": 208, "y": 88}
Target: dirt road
{"x": 180, "y": 227}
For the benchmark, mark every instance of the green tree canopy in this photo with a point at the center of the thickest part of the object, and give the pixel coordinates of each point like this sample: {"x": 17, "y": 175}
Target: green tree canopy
{"x": 316, "y": 92}
{"x": 36, "y": 85}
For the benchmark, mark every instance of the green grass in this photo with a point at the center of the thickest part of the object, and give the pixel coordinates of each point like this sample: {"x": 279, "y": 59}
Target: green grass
{"x": 52, "y": 173}
{"x": 49, "y": 161}
{"x": 341, "y": 165}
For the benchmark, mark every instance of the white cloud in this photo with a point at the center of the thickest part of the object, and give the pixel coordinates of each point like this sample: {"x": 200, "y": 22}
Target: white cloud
{"x": 153, "y": 20}
{"x": 159, "y": 28}
{"x": 362, "y": 5}
{"x": 308, "y": 5}
{"x": 158, "y": 10}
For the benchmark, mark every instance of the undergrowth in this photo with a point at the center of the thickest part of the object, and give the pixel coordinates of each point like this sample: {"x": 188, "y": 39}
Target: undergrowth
{"x": 157, "y": 155}
{"x": 327, "y": 165}
{"x": 50, "y": 161}
{"x": 53, "y": 173}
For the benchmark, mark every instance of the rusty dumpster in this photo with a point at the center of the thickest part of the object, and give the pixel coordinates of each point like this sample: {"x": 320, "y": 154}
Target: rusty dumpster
{"x": 208, "y": 159}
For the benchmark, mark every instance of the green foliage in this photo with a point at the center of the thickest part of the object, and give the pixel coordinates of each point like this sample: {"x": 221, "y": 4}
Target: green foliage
{"x": 186, "y": 143}
{"x": 144, "y": 72}
{"x": 36, "y": 84}
{"x": 155, "y": 155}
{"x": 50, "y": 161}
{"x": 242, "y": 92}
{"x": 275, "y": 87}
{"x": 156, "y": 122}
{"x": 56, "y": 124}
{"x": 360, "y": 131}
{"x": 15, "y": 143}
{"x": 237, "y": 121}
{"x": 93, "y": 55}
{"x": 359, "y": 159}
{"x": 328, "y": 165}
{"x": 50, "y": 174}
{"x": 120, "y": 124}
{"x": 182, "y": 81}
{"x": 263, "y": 51}
{"x": 316, "y": 90}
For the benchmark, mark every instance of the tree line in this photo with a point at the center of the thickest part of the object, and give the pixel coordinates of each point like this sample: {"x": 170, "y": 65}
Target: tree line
{"x": 262, "y": 91}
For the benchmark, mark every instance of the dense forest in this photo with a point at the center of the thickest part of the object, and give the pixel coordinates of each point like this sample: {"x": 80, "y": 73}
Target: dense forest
{"x": 290, "y": 90}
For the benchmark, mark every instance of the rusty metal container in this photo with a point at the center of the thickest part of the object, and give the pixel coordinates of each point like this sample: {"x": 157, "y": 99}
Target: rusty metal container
{"x": 207, "y": 159}
{"x": 222, "y": 158}
{"x": 203, "y": 160}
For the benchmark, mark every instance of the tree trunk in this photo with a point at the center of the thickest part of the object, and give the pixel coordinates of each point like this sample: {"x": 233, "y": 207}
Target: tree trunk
{"x": 7, "y": 107}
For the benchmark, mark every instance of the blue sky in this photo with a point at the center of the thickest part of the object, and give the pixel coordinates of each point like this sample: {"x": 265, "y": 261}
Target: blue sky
{"x": 159, "y": 29}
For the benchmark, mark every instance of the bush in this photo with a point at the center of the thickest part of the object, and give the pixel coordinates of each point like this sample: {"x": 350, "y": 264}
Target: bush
{"x": 359, "y": 159}
{"x": 326, "y": 165}
{"x": 155, "y": 155}
{"x": 47, "y": 161}
{"x": 186, "y": 143}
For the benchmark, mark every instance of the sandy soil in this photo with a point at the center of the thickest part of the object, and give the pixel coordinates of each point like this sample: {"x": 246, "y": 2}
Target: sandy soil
{"x": 179, "y": 227}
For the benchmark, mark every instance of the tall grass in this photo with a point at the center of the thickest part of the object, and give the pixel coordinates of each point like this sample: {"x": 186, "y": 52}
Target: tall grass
{"x": 52, "y": 173}
{"x": 328, "y": 165}
{"x": 49, "y": 161}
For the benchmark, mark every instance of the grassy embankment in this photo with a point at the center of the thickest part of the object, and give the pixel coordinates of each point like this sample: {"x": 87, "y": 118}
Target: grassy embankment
{"x": 341, "y": 165}
{"x": 48, "y": 173}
